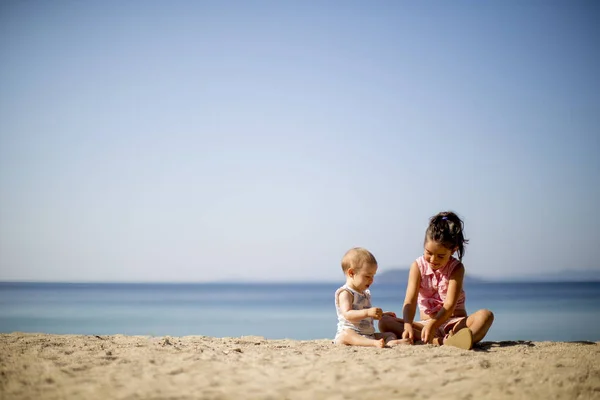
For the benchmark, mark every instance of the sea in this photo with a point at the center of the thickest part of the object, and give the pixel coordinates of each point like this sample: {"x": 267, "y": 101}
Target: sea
{"x": 528, "y": 311}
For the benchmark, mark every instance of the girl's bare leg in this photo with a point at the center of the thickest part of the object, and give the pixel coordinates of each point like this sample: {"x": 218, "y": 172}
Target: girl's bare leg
{"x": 391, "y": 324}
{"x": 396, "y": 326}
{"x": 479, "y": 323}
{"x": 351, "y": 338}
{"x": 390, "y": 339}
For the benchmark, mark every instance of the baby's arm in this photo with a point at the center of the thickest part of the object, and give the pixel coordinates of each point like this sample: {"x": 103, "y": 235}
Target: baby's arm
{"x": 345, "y": 300}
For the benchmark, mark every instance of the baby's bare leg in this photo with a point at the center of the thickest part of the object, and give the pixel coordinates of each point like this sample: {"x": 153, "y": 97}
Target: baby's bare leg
{"x": 351, "y": 338}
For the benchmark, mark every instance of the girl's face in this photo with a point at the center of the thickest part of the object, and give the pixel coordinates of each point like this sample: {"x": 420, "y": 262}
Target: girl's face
{"x": 436, "y": 254}
{"x": 363, "y": 278}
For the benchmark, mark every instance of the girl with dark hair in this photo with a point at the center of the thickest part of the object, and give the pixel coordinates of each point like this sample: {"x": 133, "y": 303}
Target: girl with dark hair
{"x": 435, "y": 284}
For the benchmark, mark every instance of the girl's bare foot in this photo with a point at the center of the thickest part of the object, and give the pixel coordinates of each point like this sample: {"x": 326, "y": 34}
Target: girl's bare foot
{"x": 397, "y": 342}
{"x": 379, "y": 343}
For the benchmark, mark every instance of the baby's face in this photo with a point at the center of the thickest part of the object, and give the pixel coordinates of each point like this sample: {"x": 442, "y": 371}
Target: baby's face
{"x": 436, "y": 254}
{"x": 363, "y": 278}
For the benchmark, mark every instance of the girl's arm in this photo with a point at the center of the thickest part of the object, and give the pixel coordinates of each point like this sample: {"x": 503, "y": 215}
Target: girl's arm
{"x": 455, "y": 284}
{"x": 345, "y": 300}
{"x": 412, "y": 292}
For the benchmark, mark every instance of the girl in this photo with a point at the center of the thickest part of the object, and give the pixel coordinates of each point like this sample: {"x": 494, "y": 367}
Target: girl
{"x": 435, "y": 282}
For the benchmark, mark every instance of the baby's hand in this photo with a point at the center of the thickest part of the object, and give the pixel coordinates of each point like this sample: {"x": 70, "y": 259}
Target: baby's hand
{"x": 375, "y": 312}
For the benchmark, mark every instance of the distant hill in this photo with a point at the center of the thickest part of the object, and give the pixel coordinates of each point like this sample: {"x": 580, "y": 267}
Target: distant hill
{"x": 400, "y": 275}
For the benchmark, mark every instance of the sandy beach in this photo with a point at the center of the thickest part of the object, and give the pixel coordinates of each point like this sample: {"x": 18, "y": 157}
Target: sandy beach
{"x": 41, "y": 366}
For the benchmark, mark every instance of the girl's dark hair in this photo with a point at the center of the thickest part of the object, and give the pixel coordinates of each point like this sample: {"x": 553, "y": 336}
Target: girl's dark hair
{"x": 447, "y": 228}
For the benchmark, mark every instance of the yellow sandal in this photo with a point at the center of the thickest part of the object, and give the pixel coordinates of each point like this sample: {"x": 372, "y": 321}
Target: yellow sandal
{"x": 463, "y": 339}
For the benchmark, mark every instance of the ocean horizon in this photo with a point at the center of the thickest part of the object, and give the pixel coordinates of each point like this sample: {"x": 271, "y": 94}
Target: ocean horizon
{"x": 536, "y": 311}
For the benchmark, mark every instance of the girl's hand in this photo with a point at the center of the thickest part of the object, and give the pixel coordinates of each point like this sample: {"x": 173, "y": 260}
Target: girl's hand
{"x": 408, "y": 333}
{"x": 427, "y": 333}
{"x": 375, "y": 312}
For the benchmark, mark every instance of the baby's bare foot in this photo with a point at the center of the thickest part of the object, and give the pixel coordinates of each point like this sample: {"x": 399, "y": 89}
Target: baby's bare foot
{"x": 379, "y": 343}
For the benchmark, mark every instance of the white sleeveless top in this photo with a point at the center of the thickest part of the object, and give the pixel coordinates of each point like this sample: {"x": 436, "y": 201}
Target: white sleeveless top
{"x": 361, "y": 301}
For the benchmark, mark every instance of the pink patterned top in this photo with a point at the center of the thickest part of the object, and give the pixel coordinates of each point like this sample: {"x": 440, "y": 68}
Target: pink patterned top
{"x": 434, "y": 286}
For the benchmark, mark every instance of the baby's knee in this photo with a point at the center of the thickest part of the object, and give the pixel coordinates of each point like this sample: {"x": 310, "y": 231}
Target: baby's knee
{"x": 342, "y": 338}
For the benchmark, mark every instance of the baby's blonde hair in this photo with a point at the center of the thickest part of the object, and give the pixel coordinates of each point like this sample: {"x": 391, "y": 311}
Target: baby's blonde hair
{"x": 356, "y": 258}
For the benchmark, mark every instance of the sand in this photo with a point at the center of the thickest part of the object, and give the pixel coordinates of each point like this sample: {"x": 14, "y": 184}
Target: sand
{"x": 41, "y": 366}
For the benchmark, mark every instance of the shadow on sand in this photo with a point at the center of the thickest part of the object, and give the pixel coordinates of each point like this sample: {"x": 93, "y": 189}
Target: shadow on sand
{"x": 486, "y": 346}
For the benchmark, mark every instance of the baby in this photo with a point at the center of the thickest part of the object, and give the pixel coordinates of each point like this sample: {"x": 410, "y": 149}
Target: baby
{"x": 353, "y": 304}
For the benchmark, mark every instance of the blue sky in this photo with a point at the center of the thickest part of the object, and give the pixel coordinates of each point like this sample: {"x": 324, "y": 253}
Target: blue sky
{"x": 201, "y": 141}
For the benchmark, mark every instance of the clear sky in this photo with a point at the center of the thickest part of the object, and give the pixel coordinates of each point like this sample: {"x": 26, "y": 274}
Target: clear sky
{"x": 259, "y": 140}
